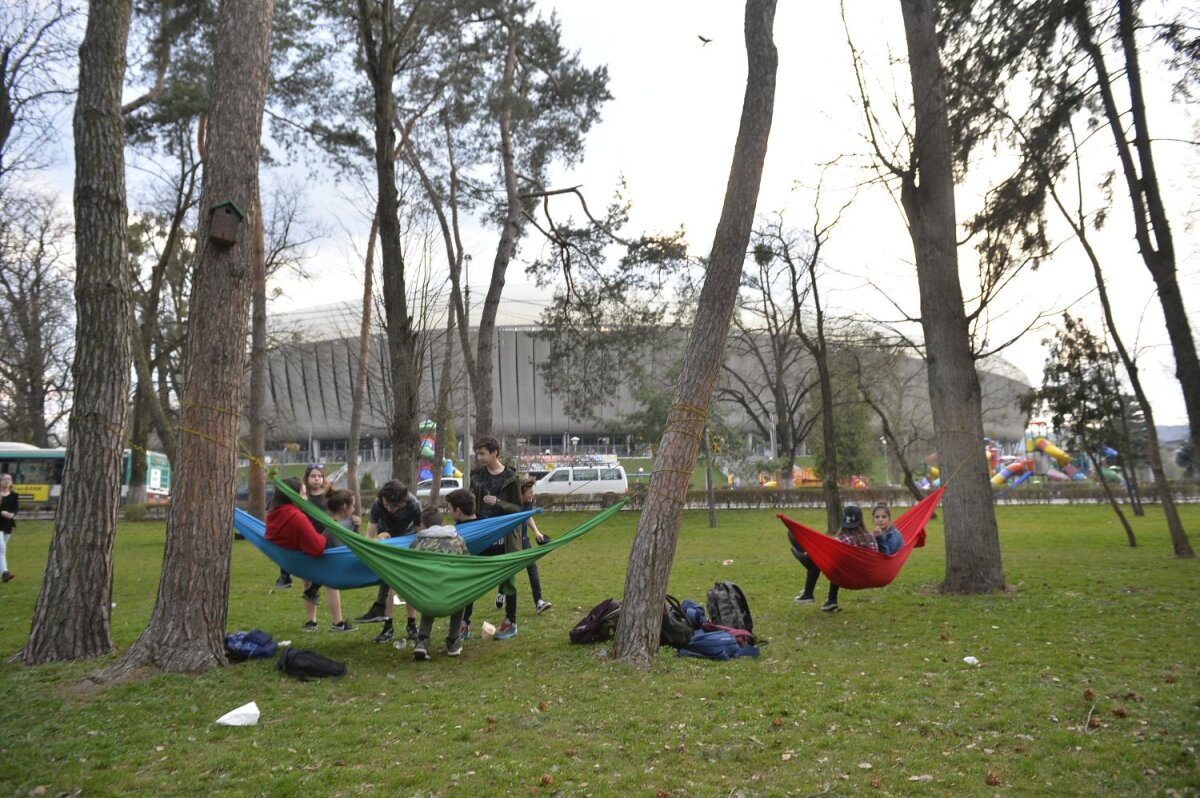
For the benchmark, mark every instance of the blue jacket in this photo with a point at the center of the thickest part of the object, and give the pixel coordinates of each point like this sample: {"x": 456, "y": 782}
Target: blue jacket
{"x": 890, "y": 542}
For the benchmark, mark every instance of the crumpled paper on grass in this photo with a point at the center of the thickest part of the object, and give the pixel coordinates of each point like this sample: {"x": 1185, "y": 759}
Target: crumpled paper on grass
{"x": 245, "y": 715}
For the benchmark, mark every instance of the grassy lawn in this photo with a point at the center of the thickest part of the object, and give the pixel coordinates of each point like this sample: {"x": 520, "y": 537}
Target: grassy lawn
{"x": 873, "y": 700}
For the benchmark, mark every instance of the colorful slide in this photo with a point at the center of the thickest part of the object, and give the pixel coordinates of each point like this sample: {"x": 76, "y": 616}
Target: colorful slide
{"x": 1013, "y": 469}
{"x": 1062, "y": 458}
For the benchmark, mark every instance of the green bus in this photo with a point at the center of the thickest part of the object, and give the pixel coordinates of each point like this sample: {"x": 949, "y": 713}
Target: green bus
{"x": 37, "y": 474}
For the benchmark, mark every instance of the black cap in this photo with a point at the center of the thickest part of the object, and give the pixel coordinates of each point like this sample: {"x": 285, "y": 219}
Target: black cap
{"x": 851, "y": 517}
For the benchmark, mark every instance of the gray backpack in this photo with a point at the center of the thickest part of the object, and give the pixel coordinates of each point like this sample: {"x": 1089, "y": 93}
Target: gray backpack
{"x": 727, "y": 606}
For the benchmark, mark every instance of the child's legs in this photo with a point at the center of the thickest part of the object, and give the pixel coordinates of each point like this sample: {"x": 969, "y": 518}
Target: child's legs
{"x": 814, "y": 573}
{"x": 310, "y": 607}
{"x": 455, "y": 623}
{"x": 535, "y": 583}
{"x": 4, "y": 552}
{"x": 334, "y": 597}
{"x": 833, "y": 594}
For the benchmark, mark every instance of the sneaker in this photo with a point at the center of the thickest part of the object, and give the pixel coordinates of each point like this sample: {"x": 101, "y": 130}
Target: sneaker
{"x": 499, "y": 601}
{"x": 542, "y": 606}
{"x": 386, "y": 635}
{"x": 310, "y": 626}
{"x": 421, "y": 649}
{"x": 411, "y": 631}
{"x": 453, "y": 646}
{"x": 283, "y": 583}
{"x": 344, "y": 626}
{"x": 805, "y": 598}
{"x": 8, "y": 577}
{"x": 507, "y": 629}
{"x": 312, "y": 595}
{"x": 830, "y": 606}
{"x": 464, "y": 631}
{"x": 373, "y": 615}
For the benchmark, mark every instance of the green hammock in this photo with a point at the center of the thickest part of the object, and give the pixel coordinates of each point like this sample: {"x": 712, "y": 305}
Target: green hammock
{"x": 435, "y": 583}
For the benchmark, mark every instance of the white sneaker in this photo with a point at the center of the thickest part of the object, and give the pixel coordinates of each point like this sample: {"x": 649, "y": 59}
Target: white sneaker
{"x": 499, "y": 601}
{"x": 542, "y": 606}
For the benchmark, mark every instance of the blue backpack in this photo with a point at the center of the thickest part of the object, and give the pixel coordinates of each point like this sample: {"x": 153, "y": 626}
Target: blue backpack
{"x": 694, "y": 613}
{"x": 716, "y": 645}
{"x": 241, "y": 646}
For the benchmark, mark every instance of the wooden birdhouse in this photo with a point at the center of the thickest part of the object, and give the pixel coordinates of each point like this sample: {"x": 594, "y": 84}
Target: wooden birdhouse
{"x": 226, "y": 219}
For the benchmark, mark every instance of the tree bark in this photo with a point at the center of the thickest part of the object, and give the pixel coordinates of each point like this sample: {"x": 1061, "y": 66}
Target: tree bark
{"x": 973, "y": 563}
{"x": 1112, "y": 499}
{"x": 380, "y": 48}
{"x": 186, "y": 632}
{"x": 72, "y": 616}
{"x": 658, "y": 529}
{"x": 364, "y": 359}
{"x": 256, "y": 470}
{"x": 510, "y": 234}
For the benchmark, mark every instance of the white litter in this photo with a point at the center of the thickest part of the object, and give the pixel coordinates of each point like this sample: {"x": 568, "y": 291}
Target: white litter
{"x": 489, "y": 630}
{"x": 397, "y": 601}
{"x": 245, "y": 715}
{"x": 971, "y": 660}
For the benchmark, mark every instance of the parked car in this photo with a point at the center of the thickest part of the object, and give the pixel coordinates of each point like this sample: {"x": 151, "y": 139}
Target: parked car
{"x": 448, "y": 484}
{"x": 609, "y": 482}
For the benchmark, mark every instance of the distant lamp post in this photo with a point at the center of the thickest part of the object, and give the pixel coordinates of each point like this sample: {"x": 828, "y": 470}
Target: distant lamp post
{"x": 575, "y": 444}
{"x": 887, "y": 466}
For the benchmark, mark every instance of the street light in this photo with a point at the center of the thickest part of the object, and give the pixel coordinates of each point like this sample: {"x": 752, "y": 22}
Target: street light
{"x": 575, "y": 444}
{"x": 887, "y": 466}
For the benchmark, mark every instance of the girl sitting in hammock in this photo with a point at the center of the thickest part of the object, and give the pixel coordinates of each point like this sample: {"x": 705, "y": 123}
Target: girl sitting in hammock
{"x": 289, "y": 528}
{"x": 887, "y": 537}
{"x": 854, "y": 533}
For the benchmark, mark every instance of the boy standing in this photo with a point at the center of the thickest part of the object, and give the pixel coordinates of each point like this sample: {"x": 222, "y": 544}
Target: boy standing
{"x": 432, "y": 536}
{"x": 393, "y": 513}
{"x": 497, "y": 492}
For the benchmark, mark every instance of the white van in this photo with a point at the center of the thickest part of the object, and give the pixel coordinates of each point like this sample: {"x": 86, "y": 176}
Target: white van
{"x": 607, "y": 481}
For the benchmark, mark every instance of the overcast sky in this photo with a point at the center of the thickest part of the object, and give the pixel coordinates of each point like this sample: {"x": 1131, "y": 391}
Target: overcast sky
{"x": 670, "y": 131}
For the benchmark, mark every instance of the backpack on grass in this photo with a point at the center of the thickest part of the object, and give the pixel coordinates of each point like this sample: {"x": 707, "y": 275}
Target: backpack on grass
{"x": 742, "y": 637}
{"x": 599, "y": 624}
{"x": 306, "y": 664}
{"x": 676, "y": 630}
{"x": 717, "y": 644}
{"x": 727, "y": 606}
{"x": 256, "y": 644}
{"x": 694, "y": 612}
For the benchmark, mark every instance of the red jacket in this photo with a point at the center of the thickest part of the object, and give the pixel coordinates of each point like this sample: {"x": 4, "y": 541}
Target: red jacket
{"x": 289, "y": 528}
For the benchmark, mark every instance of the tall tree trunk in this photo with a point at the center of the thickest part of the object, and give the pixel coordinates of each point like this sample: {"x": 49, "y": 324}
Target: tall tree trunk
{"x": 364, "y": 359}
{"x": 380, "y": 48}
{"x": 658, "y": 529}
{"x": 256, "y": 471}
{"x": 72, "y": 615}
{"x": 505, "y": 251}
{"x": 1112, "y": 499}
{"x": 139, "y": 434}
{"x": 186, "y": 632}
{"x": 1151, "y": 226}
{"x": 972, "y": 540}
{"x": 710, "y": 497}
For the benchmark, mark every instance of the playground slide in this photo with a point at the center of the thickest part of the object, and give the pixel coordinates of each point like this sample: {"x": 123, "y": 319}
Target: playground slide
{"x": 1011, "y": 470}
{"x": 1049, "y": 448}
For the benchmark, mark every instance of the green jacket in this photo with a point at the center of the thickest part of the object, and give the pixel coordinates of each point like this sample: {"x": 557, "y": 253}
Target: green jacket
{"x": 508, "y": 500}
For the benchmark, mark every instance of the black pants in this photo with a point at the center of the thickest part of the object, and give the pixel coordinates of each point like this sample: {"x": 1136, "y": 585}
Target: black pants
{"x": 535, "y": 583}
{"x": 814, "y": 573}
{"x": 510, "y": 595}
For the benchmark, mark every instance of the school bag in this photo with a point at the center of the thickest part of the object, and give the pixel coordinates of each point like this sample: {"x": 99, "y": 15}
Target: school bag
{"x": 717, "y": 644}
{"x": 599, "y": 624}
{"x": 676, "y": 630}
{"x": 306, "y": 664}
{"x": 727, "y": 606}
{"x": 694, "y": 613}
{"x": 256, "y": 644}
{"x": 743, "y": 637}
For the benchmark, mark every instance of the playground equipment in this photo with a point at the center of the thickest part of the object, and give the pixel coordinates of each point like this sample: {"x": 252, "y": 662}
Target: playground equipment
{"x": 429, "y": 453}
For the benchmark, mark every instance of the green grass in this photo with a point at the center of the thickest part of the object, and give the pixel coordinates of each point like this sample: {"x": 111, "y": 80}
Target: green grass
{"x": 863, "y": 701}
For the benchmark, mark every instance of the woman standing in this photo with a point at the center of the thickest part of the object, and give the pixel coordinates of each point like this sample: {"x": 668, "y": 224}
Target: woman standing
{"x": 313, "y": 488}
{"x": 9, "y": 506}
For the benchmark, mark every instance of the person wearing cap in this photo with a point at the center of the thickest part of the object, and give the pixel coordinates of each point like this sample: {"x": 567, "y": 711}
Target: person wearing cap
{"x": 854, "y": 533}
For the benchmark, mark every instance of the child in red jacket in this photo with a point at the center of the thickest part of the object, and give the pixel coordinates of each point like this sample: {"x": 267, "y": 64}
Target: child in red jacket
{"x": 289, "y": 528}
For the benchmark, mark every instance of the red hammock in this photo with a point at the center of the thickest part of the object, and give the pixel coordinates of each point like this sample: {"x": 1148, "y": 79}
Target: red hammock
{"x": 856, "y": 568}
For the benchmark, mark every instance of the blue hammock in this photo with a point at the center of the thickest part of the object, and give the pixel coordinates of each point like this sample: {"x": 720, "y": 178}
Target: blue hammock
{"x": 342, "y": 570}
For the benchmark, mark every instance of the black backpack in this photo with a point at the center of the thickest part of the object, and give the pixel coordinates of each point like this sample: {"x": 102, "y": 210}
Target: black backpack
{"x": 727, "y": 606}
{"x": 598, "y": 625}
{"x": 305, "y": 664}
{"x": 676, "y": 630}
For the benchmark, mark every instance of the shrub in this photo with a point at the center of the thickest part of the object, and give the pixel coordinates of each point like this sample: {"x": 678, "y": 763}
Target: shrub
{"x": 135, "y": 512}
{"x": 366, "y": 485}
